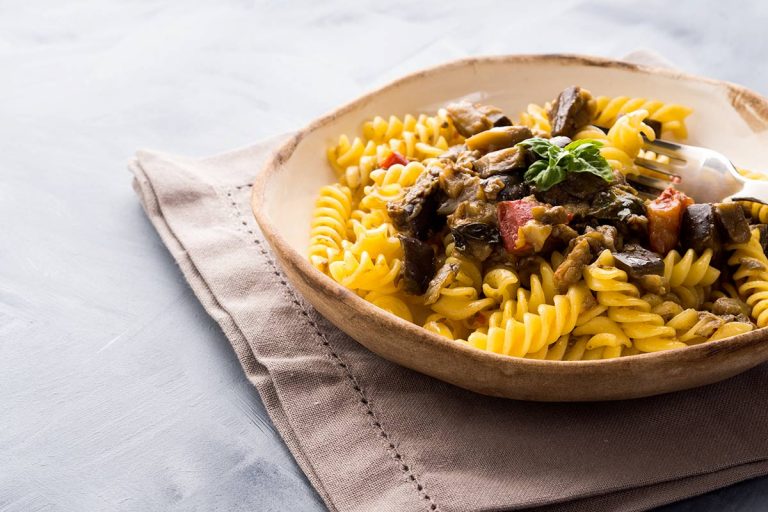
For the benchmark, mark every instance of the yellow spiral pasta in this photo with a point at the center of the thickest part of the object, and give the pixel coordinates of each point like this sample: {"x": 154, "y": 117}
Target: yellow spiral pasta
{"x": 461, "y": 298}
{"x": 751, "y": 276}
{"x": 536, "y": 118}
{"x": 629, "y": 320}
{"x": 362, "y": 272}
{"x": 333, "y": 210}
{"x": 376, "y": 241}
{"x": 623, "y": 142}
{"x": 689, "y": 277}
{"x": 689, "y": 323}
{"x": 391, "y": 303}
{"x": 691, "y": 296}
{"x": 416, "y": 138}
{"x": 755, "y": 210}
{"x": 671, "y": 116}
{"x": 516, "y": 332}
{"x": 689, "y": 270}
{"x": 731, "y": 329}
{"x": 445, "y": 327}
{"x": 500, "y": 284}
{"x": 496, "y": 306}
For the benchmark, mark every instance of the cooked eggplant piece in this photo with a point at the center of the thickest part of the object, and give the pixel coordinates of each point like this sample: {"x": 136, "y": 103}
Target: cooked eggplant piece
{"x": 492, "y": 186}
{"x": 550, "y": 214}
{"x": 603, "y": 237}
{"x": 699, "y": 229}
{"x": 468, "y": 118}
{"x": 732, "y": 222}
{"x": 616, "y": 204}
{"x": 560, "y": 236}
{"x": 475, "y": 239}
{"x": 418, "y": 264}
{"x": 514, "y": 187}
{"x": 501, "y": 161}
{"x": 416, "y": 213}
{"x": 495, "y": 115}
{"x": 470, "y": 212}
{"x": 452, "y": 180}
{"x": 444, "y": 276}
{"x": 582, "y": 250}
{"x": 499, "y": 119}
{"x": 707, "y": 324}
{"x": 729, "y": 306}
{"x": 762, "y": 230}
{"x": 474, "y": 229}
{"x": 577, "y": 187}
{"x": 458, "y": 187}
{"x": 467, "y": 158}
{"x": 638, "y": 261}
{"x": 570, "y": 270}
{"x": 572, "y": 109}
{"x": 498, "y": 138}
{"x": 453, "y": 152}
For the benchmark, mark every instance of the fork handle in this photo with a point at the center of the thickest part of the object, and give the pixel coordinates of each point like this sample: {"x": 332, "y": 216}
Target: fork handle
{"x": 753, "y": 190}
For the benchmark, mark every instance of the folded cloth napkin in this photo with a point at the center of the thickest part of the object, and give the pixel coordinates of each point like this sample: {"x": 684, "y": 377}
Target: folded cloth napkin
{"x": 371, "y": 435}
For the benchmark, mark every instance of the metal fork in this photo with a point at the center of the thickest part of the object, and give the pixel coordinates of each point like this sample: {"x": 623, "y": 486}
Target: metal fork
{"x": 705, "y": 175}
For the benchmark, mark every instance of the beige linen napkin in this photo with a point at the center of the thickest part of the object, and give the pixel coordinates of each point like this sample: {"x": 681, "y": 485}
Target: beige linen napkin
{"x": 372, "y": 436}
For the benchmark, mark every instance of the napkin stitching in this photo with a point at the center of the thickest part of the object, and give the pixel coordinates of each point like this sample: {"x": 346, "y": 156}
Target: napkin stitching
{"x": 373, "y": 420}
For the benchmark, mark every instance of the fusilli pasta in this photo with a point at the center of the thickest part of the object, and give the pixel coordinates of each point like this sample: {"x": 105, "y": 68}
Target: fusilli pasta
{"x": 333, "y": 209}
{"x": 671, "y": 116}
{"x": 416, "y": 138}
{"x": 510, "y": 303}
{"x": 751, "y": 276}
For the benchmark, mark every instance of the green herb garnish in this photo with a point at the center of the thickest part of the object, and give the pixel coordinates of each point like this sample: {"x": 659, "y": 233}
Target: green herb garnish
{"x": 556, "y": 163}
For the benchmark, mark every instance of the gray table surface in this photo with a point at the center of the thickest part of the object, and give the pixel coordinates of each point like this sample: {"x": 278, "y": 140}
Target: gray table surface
{"x": 117, "y": 391}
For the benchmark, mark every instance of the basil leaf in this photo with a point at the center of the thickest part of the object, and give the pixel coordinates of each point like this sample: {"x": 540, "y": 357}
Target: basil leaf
{"x": 555, "y": 163}
{"x": 582, "y": 142}
{"x": 539, "y": 146}
{"x": 550, "y": 178}
{"x": 534, "y": 170}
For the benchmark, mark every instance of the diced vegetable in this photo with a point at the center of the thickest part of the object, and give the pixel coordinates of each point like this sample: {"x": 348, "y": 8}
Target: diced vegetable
{"x": 732, "y": 222}
{"x": 572, "y": 109}
{"x": 699, "y": 229}
{"x": 393, "y": 158}
{"x": 498, "y": 138}
{"x": 419, "y": 267}
{"x": 416, "y": 213}
{"x": 468, "y": 118}
{"x": 513, "y": 215}
{"x": 570, "y": 270}
{"x": 762, "y": 230}
{"x": 665, "y": 214}
{"x": 638, "y": 261}
{"x": 501, "y": 161}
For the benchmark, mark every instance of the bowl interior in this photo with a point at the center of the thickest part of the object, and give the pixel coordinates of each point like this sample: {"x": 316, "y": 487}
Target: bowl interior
{"x": 509, "y": 84}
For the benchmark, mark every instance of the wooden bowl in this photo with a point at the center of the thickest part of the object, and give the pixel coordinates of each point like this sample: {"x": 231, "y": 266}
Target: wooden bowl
{"x": 727, "y": 118}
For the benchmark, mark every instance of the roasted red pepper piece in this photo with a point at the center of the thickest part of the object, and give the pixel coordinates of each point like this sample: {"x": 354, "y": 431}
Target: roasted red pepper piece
{"x": 512, "y": 216}
{"x": 665, "y": 213}
{"x": 394, "y": 158}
